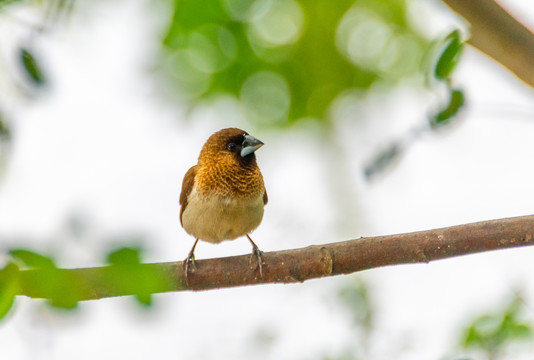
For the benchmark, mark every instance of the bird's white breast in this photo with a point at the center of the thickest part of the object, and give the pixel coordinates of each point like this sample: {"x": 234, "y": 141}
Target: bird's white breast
{"x": 215, "y": 218}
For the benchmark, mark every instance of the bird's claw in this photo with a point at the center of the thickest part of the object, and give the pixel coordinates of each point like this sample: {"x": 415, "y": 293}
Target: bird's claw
{"x": 256, "y": 252}
{"x": 189, "y": 265}
{"x": 190, "y": 260}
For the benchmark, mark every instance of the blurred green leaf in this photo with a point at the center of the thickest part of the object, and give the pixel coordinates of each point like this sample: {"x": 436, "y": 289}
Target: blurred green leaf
{"x": 131, "y": 274}
{"x": 8, "y": 288}
{"x": 5, "y": 133}
{"x": 287, "y": 60}
{"x": 62, "y": 290}
{"x": 492, "y": 332}
{"x": 61, "y": 287}
{"x": 450, "y": 56}
{"x": 456, "y": 102}
{"x": 355, "y": 296}
{"x": 382, "y": 160}
{"x": 31, "y": 66}
{"x": 125, "y": 256}
{"x": 32, "y": 259}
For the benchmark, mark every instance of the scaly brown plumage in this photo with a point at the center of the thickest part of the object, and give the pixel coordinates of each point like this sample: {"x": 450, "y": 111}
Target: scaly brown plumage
{"x": 223, "y": 195}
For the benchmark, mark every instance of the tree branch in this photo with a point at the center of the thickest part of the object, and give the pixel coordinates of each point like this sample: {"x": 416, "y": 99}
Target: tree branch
{"x": 499, "y": 35}
{"x": 290, "y": 265}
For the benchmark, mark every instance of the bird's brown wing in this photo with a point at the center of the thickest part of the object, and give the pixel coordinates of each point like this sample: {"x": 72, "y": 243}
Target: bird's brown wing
{"x": 187, "y": 186}
{"x": 265, "y": 198}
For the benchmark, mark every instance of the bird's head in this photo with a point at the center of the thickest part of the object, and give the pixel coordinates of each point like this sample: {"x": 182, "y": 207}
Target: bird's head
{"x": 230, "y": 146}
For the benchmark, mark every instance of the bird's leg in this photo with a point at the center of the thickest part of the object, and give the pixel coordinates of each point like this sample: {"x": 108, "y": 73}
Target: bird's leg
{"x": 190, "y": 260}
{"x": 258, "y": 253}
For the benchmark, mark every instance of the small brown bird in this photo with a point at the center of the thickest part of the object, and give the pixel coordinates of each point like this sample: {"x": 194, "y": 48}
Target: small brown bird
{"x": 223, "y": 195}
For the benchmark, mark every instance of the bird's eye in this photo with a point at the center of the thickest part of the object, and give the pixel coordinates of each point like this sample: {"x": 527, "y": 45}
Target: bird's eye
{"x": 231, "y": 146}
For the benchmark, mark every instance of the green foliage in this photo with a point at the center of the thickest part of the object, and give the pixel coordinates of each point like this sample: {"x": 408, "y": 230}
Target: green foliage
{"x": 287, "y": 60}
{"x": 62, "y": 289}
{"x": 126, "y": 256}
{"x": 355, "y": 296}
{"x": 450, "y": 56}
{"x": 32, "y": 259}
{"x": 129, "y": 273}
{"x": 8, "y": 288}
{"x": 31, "y": 66}
{"x": 492, "y": 332}
{"x": 449, "y": 112}
{"x": 383, "y": 160}
{"x": 447, "y": 60}
{"x": 7, "y": 2}
{"x": 5, "y": 133}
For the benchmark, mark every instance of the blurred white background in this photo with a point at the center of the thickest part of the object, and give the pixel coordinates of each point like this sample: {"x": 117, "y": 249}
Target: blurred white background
{"x": 102, "y": 149}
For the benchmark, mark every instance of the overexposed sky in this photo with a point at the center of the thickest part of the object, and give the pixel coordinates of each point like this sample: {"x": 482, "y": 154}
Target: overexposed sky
{"x": 102, "y": 144}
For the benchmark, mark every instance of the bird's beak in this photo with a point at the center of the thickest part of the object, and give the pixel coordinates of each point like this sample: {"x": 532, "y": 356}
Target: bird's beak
{"x": 250, "y": 144}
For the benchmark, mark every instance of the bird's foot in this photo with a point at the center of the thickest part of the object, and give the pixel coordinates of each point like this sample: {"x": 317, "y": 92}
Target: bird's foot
{"x": 189, "y": 265}
{"x": 189, "y": 262}
{"x": 256, "y": 252}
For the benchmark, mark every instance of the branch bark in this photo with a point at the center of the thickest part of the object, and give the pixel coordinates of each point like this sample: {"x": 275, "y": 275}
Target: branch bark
{"x": 498, "y": 34}
{"x": 296, "y": 265}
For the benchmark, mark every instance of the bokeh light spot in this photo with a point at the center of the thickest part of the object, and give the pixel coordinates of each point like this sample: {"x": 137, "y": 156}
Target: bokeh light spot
{"x": 239, "y": 9}
{"x": 193, "y": 81}
{"x": 362, "y": 36}
{"x": 276, "y": 22}
{"x": 202, "y": 53}
{"x": 266, "y": 96}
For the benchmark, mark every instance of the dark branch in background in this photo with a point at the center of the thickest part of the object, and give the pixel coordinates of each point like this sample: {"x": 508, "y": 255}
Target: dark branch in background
{"x": 499, "y": 35}
{"x": 281, "y": 266}
{"x": 494, "y": 32}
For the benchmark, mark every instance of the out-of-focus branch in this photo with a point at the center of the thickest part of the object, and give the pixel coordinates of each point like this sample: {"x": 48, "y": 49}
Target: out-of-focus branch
{"x": 499, "y": 35}
{"x": 294, "y": 265}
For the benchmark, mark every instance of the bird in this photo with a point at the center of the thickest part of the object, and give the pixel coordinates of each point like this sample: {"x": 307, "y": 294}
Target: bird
{"x": 223, "y": 195}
